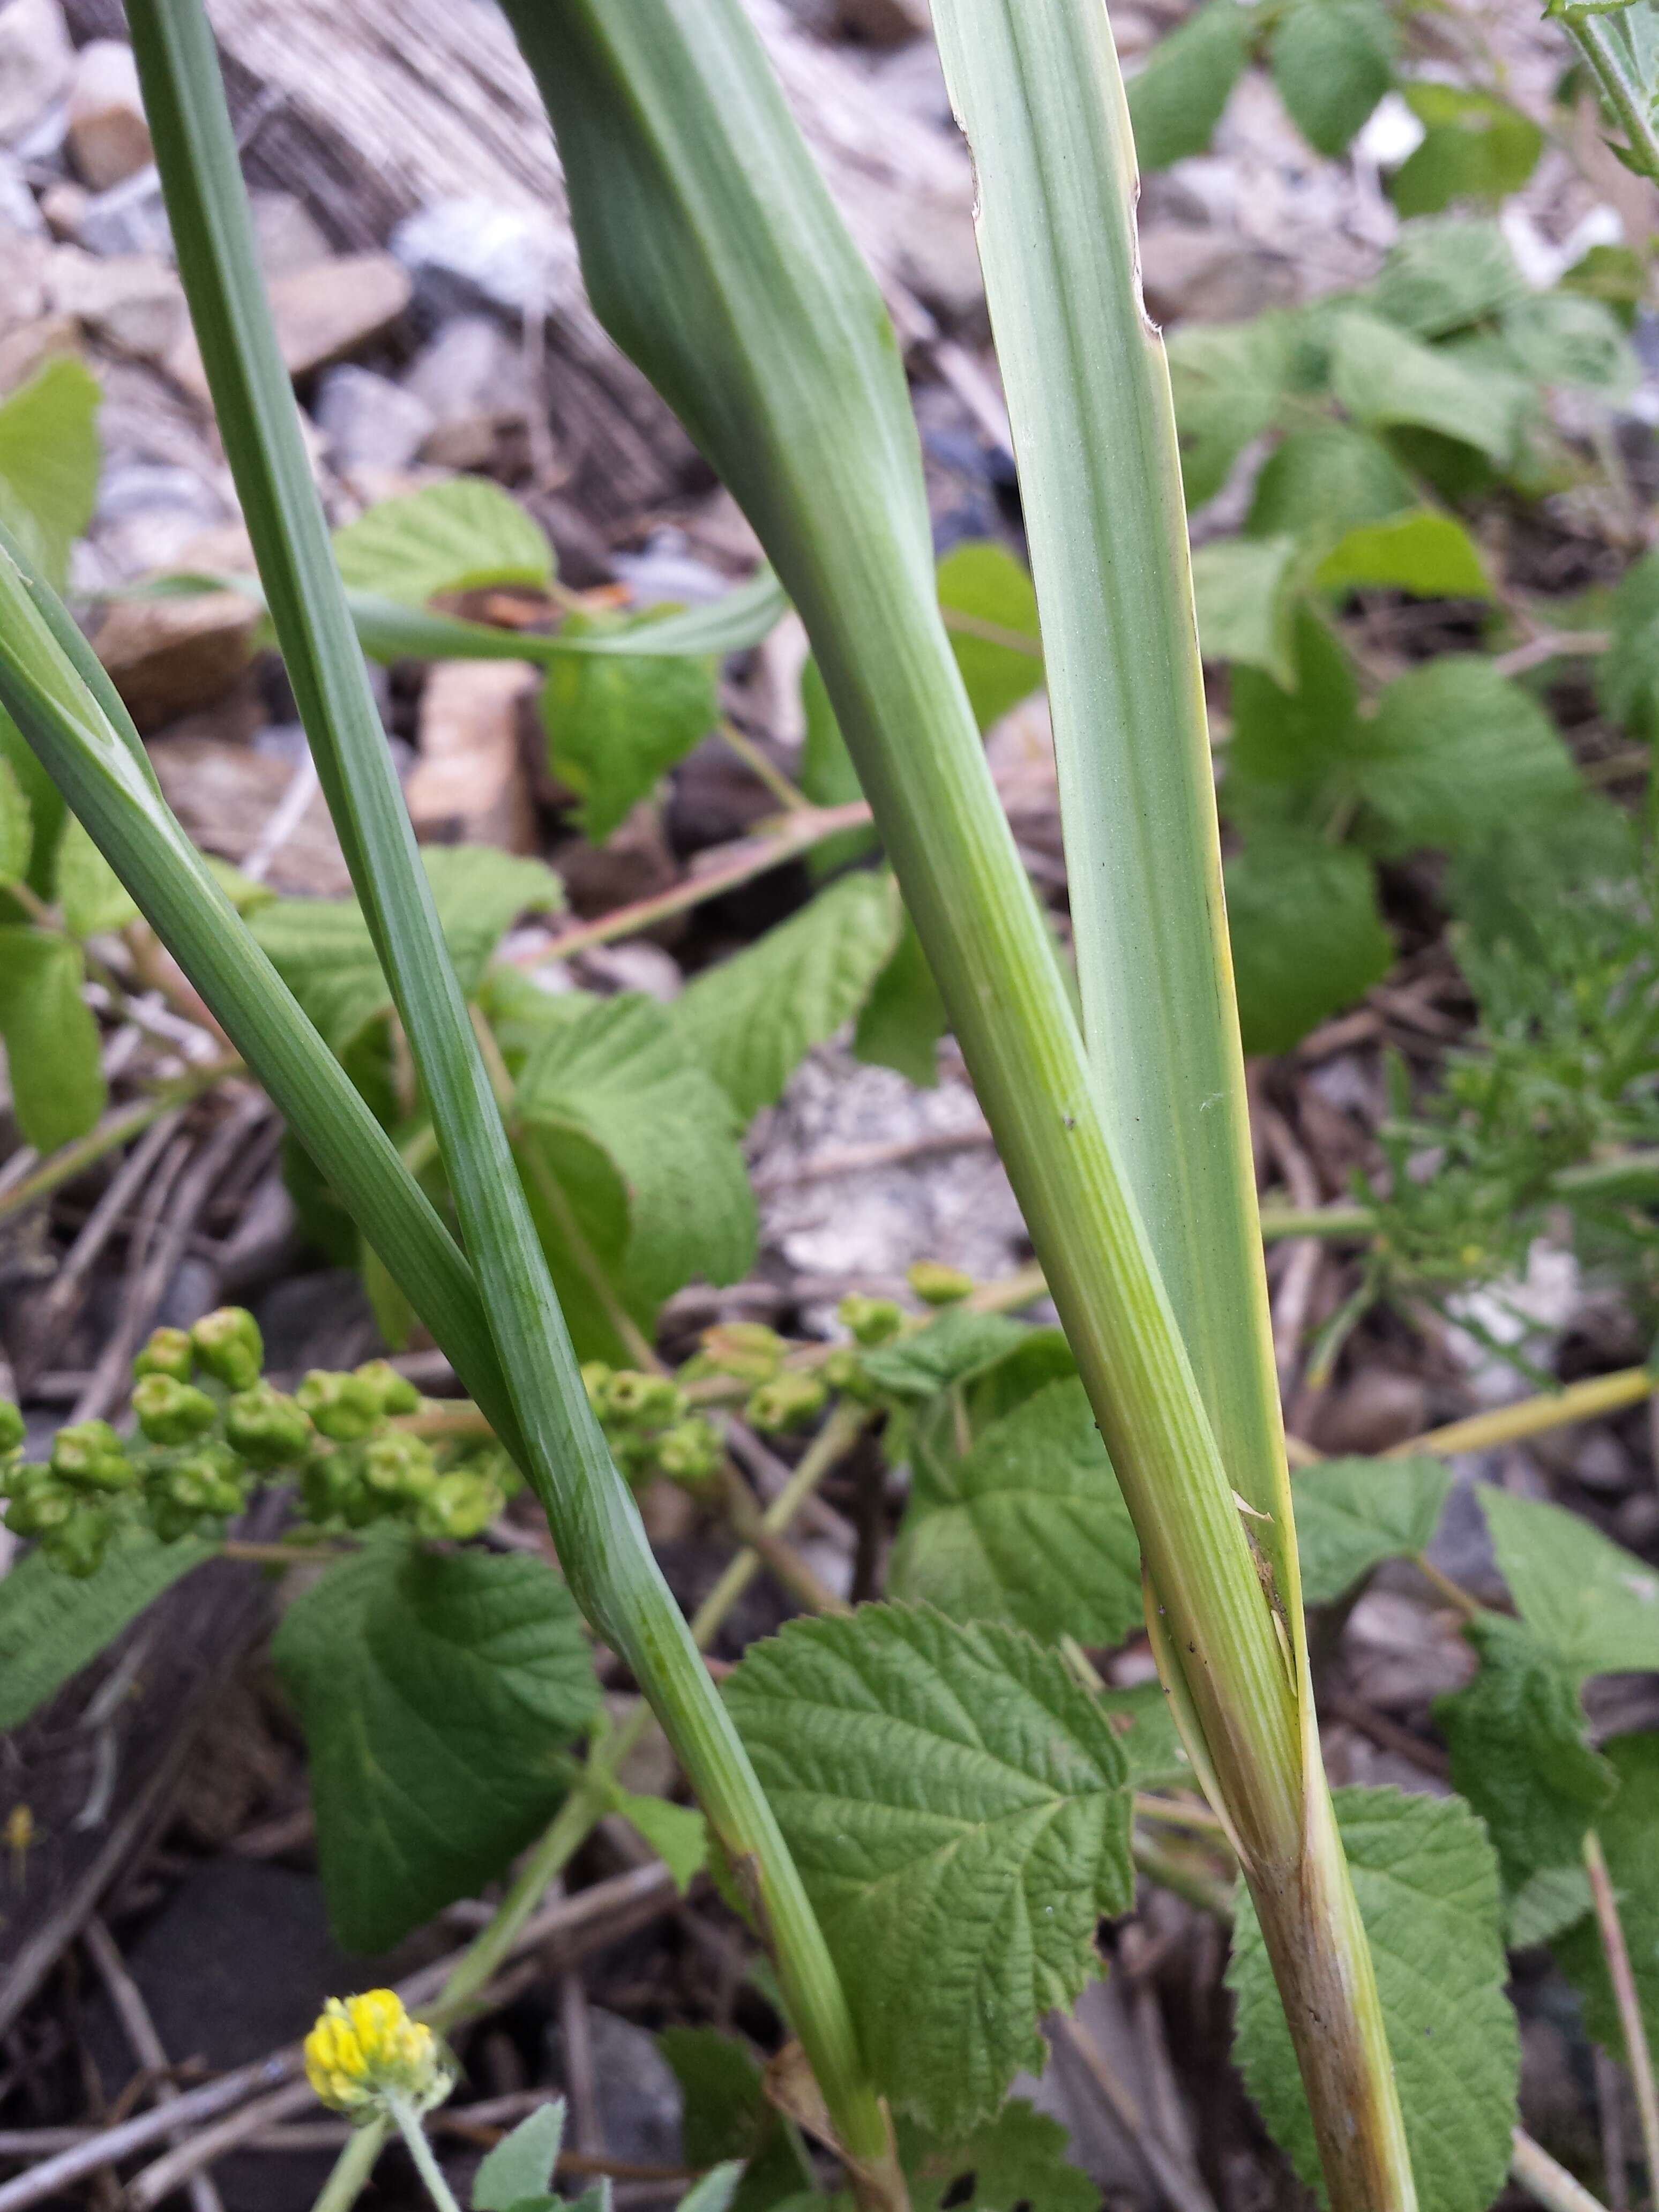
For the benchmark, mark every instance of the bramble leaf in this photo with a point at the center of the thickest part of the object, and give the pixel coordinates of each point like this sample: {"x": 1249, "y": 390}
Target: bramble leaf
{"x": 1518, "y": 1752}
{"x": 1028, "y": 1526}
{"x": 1425, "y": 1879}
{"x": 1175, "y": 101}
{"x": 49, "y": 462}
{"x": 1594, "y": 1604}
{"x": 1018, "y": 2158}
{"x": 752, "y": 1020}
{"x": 1626, "y": 1830}
{"x": 1475, "y": 147}
{"x": 640, "y": 1149}
{"x": 1456, "y": 752}
{"x": 1384, "y": 376}
{"x": 678, "y": 1833}
{"x": 959, "y": 1345}
{"x": 53, "y": 1049}
{"x": 51, "y": 1624}
{"x": 1228, "y": 380}
{"x": 727, "y": 2115}
{"x": 902, "y": 1021}
{"x": 1445, "y": 273}
{"x": 955, "y": 1804}
{"x": 450, "y": 536}
{"x": 16, "y": 827}
{"x": 1431, "y": 556}
{"x": 1627, "y": 674}
{"x": 1333, "y": 60}
{"x": 1307, "y": 937}
{"x": 1352, "y": 1514}
{"x": 436, "y": 1690}
{"x": 985, "y": 585}
{"x": 92, "y": 896}
{"x": 615, "y": 724}
{"x": 1326, "y": 482}
{"x": 1245, "y": 590}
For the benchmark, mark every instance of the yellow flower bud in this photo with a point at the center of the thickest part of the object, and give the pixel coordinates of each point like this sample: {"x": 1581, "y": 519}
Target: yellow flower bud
{"x": 366, "y": 2049}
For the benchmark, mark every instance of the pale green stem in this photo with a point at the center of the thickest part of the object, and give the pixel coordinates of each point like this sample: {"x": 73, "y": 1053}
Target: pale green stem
{"x": 408, "y": 2123}
{"x": 1627, "y": 2002}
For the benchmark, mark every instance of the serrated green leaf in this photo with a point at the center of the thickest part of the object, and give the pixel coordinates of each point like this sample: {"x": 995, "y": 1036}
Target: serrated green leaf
{"x": 959, "y": 1345}
{"x": 322, "y": 950}
{"x": 1321, "y": 483}
{"x": 436, "y": 1691}
{"x": 49, "y": 455}
{"x": 53, "y": 1624}
{"x": 716, "y": 2192}
{"x": 1547, "y": 1906}
{"x": 957, "y": 1806}
{"x": 1627, "y": 1831}
{"x": 1627, "y": 674}
{"x": 1425, "y": 1880}
{"x": 728, "y": 2114}
{"x": 53, "y": 1049}
{"x": 1446, "y": 273}
{"x": 1384, "y": 376}
{"x": 1431, "y": 556}
{"x": 1352, "y": 1514}
{"x": 1475, "y": 147}
{"x": 1594, "y": 1604}
{"x": 1333, "y": 60}
{"x": 1245, "y": 591}
{"x": 752, "y": 1020}
{"x": 450, "y": 536}
{"x": 1152, "y": 1748}
{"x": 1028, "y": 1526}
{"x": 1175, "y": 101}
{"x": 902, "y": 1021}
{"x": 91, "y": 896}
{"x": 1456, "y": 752}
{"x": 1518, "y": 1752}
{"x": 678, "y": 1833}
{"x": 521, "y": 2165}
{"x": 1228, "y": 380}
{"x": 1290, "y": 759}
{"x": 643, "y": 1147}
{"x": 16, "y": 827}
{"x": 1016, "y": 2158}
{"x": 615, "y": 726}
{"x": 1307, "y": 937}
{"x": 1556, "y": 338}
{"x": 984, "y": 584}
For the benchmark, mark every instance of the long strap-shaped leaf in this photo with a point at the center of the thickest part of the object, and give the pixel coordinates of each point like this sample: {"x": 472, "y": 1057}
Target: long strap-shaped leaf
{"x": 713, "y": 256}
{"x": 53, "y": 687}
{"x": 1036, "y": 86}
{"x": 596, "y": 1525}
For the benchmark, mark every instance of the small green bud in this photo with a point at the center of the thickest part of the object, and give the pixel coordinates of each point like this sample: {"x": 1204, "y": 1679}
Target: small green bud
{"x": 42, "y": 1503}
{"x": 460, "y": 1506}
{"x": 691, "y": 1452}
{"x": 396, "y": 1393}
{"x": 787, "y": 1401}
{"x": 170, "y": 1521}
{"x": 265, "y": 1427}
{"x": 78, "y": 1544}
{"x": 169, "y": 1352}
{"x": 343, "y": 1406}
{"x": 170, "y": 1412}
{"x": 205, "y": 1481}
{"x": 843, "y": 1370}
{"x": 596, "y": 1381}
{"x": 400, "y": 1467}
{"x": 229, "y": 1344}
{"x": 871, "y": 1321}
{"x": 91, "y": 1456}
{"x": 644, "y": 1401}
{"x": 936, "y": 1285}
{"x": 330, "y": 1481}
{"x": 746, "y": 1349}
{"x": 12, "y": 1429}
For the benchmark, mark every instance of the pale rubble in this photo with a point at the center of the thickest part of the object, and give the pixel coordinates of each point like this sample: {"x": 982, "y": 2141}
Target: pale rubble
{"x": 36, "y": 63}
{"x": 108, "y": 137}
{"x": 369, "y": 421}
{"x": 468, "y": 786}
{"x": 320, "y": 313}
{"x": 169, "y": 657}
{"x": 130, "y": 302}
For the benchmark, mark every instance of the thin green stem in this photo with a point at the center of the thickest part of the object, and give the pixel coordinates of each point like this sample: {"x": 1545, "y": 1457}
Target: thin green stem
{"x": 113, "y": 1132}
{"x": 792, "y": 801}
{"x": 833, "y": 1440}
{"x": 1627, "y": 2002}
{"x": 1545, "y": 2180}
{"x": 408, "y": 2123}
{"x": 1627, "y": 100}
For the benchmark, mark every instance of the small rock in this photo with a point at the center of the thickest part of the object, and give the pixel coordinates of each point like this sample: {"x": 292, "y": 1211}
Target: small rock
{"x": 1637, "y": 1521}
{"x": 468, "y": 786}
{"x": 148, "y": 511}
{"x": 1602, "y": 1463}
{"x": 131, "y": 217}
{"x": 18, "y": 208}
{"x": 24, "y": 351}
{"x": 320, "y": 313}
{"x": 133, "y": 304}
{"x": 1210, "y": 275}
{"x": 632, "y": 863}
{"x": 1376, "y": 1409}
{"x": 885, "y": 22}
{"x": 467, "y": 253}
{"x": 639, "y": 966}
{"x": 63, "y": 208}
{"x": 36, "y": 62}
{"x": 108, "y": 136}
{"x": 285, "y": 234}
{"x": 638, "y": 2096}
{"x": 169, "y": 656}
{"x": 472, "y": 378}
{"x": 367, "y": 421}
{"x": 224, "y": 795}
{"x": 23, "y": 265}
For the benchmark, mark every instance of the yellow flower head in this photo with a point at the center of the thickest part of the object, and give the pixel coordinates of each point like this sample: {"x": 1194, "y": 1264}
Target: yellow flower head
{"x": 364, "y": 2049}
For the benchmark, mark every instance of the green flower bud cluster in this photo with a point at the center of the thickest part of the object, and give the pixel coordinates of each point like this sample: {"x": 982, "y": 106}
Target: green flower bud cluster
{"x": 650, "y": 1427}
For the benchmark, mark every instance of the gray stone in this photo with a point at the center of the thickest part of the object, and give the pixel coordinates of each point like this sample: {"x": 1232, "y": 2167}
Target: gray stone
{"x": 19, "y": 210}
{"x": 36, "y": 62}
{"x": 367, "y": 421}
{"x": 885, "y": 22}
{"x": 639, "y": 2098}
{"x": 285, "y": 234}
{"x": 467, "y": 253}
{"x": 321, "y": 313}
{"x": 130, "y": 218}
{"x": 108, "y": 136}
{"x": 148, "y": 513}
{"x": 470, "y": 368}
{"x": 23, "y": 265}
{"x": 131, "y": 302}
